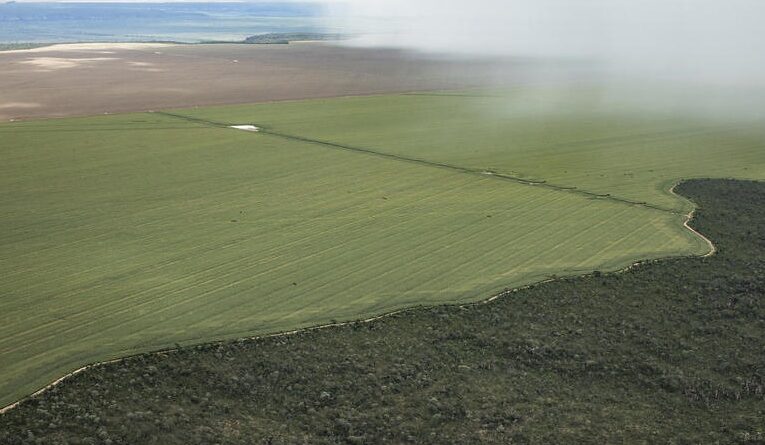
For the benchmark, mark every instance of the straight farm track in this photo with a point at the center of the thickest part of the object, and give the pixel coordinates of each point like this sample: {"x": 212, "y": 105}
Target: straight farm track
{"x": 129, "y": 233}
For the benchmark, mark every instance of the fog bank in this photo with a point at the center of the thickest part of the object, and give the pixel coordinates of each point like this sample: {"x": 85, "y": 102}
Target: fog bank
{"x": 695, "y": 42}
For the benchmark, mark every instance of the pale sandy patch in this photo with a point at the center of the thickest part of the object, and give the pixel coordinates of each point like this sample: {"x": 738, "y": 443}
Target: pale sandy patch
{"x": 57, "y": 63}
{"x": 16, "y": 105}
{"x": 146, "y": 67}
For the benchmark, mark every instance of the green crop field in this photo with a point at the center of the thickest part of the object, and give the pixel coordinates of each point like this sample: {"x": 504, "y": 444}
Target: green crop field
{"x": 129, "y": 233}
{"x": 562, "y": 138}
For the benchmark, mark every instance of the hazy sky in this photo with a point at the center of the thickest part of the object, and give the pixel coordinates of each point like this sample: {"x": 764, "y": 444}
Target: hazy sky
{"x": 717, "y": 41}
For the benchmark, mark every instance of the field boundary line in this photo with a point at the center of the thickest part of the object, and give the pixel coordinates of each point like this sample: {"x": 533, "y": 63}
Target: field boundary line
{"x": 689, "y": 217}
{"x": 504, "y": 293}
{"x": 445, "y": 93}
{"x": 191, "y": 119}
{"x": 472, "y": 171}
{"x": 457, "y": 168}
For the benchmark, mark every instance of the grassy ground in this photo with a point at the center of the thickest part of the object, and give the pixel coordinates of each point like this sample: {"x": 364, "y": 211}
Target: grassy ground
{"x": 669, "y": 352}
{"x": 122, "y": 234}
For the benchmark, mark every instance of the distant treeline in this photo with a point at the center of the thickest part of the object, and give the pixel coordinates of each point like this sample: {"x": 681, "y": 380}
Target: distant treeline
{"x": 288, "y": 37}
{"x": 15, "y": 46}
{"x": 670, "y": 351}
{"x": 283, "y": 38}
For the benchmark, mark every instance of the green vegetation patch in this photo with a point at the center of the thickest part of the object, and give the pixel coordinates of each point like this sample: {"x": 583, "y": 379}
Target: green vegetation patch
{"x": 668, "y": 352}
{"x": 131, "y": 233}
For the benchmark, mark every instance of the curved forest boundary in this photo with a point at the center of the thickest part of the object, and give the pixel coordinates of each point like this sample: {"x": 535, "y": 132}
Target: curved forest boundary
{"x": 667, "y": 352}
{"x": 134, "y": 233}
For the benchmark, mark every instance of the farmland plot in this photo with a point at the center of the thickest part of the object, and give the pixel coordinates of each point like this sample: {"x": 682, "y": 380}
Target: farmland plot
{"x": 130, "y": 233}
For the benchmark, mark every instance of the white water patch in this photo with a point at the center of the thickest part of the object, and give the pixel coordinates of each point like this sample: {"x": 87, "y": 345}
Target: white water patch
{"x": 102, "y": 48}
{"x": 246, "y": 128}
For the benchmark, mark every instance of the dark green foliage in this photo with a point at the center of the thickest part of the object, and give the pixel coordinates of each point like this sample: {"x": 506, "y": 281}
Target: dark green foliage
{"x": 671, "y": 351}
{"x": 287, "y": 37}
{"x": 17, "y": 46}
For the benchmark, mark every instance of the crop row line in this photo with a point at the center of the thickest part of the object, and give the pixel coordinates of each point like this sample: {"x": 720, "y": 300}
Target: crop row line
{"x": 112, "y": 310}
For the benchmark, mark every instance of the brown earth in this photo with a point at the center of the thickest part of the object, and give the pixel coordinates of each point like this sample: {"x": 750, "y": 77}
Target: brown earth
{"x": 85, "y": 80}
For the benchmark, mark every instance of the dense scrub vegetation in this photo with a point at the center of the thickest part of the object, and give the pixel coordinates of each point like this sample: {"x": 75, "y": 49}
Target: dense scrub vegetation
{"x": 671, "y": 351}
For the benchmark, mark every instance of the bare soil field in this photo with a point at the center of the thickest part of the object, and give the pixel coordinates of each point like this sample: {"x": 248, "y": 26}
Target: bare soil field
{"x": 73, "y": 80}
